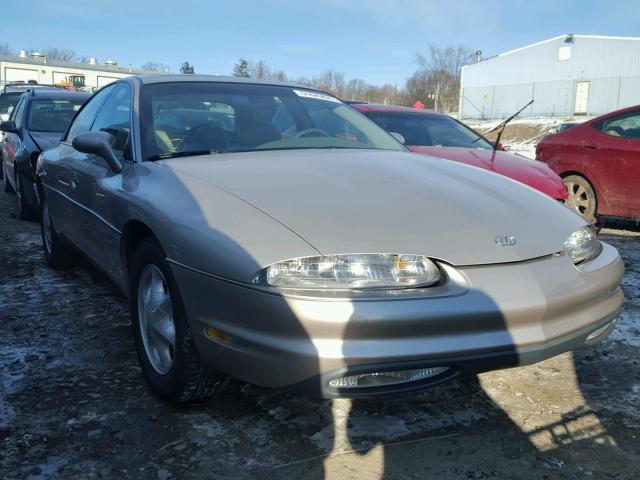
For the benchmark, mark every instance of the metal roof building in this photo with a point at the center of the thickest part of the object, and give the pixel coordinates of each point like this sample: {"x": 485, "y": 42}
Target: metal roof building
{"x": 38, "y": 68}
{"x": 565, "y": 75}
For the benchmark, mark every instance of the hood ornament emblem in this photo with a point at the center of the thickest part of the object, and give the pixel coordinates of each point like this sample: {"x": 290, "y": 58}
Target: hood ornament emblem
{"x": 505, "y": 240}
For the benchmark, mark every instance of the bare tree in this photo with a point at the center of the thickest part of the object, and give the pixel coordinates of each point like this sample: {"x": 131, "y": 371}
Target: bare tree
{"x": 5, "y": 49}
{"x": 330, "y": 81}
{"x": 155, "y": 67}
{"x": 62, "y": 54}
{"x": 437, "y": 82}
{"x": 260, "y": 69}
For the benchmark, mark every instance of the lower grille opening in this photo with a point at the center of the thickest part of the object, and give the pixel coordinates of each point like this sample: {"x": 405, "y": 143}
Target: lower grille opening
{"x": 385, "y": 378}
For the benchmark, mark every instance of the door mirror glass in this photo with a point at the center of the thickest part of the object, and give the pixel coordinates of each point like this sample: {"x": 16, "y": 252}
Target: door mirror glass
{"x": 8, "y": 126}
{"x": 98, "y": 143}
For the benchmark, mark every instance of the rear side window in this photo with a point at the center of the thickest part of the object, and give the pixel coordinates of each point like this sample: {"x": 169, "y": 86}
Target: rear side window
{"x": 625, "y": 126}
{"x": 8, "y": 102}
{"x": 83, "y": 121}
{"x": 115, "y": 118}
{"x": 52, "y": 115}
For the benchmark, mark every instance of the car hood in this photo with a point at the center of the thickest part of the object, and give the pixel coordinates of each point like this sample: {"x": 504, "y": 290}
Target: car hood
{"x": 530, "y": 172}
{"x": 373, "y": 201}
{"x": 45, "y": 140}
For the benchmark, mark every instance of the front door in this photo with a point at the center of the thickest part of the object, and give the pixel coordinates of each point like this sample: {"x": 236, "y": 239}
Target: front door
{"x": 581, "y": 104}
{"x": 98, "y": 183}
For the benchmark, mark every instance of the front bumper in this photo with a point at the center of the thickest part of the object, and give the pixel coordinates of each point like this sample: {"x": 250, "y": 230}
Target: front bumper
{"x": 505, "y": 315}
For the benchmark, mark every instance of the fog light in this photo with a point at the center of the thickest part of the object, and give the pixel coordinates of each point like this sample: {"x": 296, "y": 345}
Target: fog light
{"x": 381, "y": 379}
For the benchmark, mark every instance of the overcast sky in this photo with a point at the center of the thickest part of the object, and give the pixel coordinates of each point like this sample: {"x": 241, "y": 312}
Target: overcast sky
{"x": 375, "y": 40}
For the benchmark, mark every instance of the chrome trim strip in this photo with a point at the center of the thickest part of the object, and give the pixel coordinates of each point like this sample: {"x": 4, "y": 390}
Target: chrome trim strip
{"x": 84, "y": 208}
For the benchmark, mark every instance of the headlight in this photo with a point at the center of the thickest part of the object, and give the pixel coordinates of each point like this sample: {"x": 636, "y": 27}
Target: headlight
{"x": 359, "y": 271}
{"x": 582, "y": 245}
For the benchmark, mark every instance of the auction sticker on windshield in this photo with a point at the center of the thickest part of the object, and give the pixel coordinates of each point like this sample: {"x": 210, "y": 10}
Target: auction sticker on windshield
{"x": 316, "y": 95}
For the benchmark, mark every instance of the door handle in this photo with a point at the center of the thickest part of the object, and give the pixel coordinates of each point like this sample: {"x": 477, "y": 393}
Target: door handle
{"x": 73, "y": 183}
{"x": 591, "y": 146}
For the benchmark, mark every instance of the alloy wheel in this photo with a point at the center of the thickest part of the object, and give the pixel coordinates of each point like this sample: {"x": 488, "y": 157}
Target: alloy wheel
{"x": 581, "y": 198}
{"x": 155, "y": 314}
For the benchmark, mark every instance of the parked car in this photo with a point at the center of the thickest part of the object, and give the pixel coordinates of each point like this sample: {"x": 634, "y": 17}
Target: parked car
{"x": 566, "y": 126}
{"x": 273, "y": 233}
{"x": 9, "y": 96}
{"x": 599, "y": 161}
{"x": 38, "y": 121}
{"x": 441, "y": 136}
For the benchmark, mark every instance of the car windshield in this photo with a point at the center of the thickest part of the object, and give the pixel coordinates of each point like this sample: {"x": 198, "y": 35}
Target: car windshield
{"x": 8, "y": 102}
{"x": 429, "y": 130}
{"x": 183, "y": 118}
{"x": 53, "y": 115}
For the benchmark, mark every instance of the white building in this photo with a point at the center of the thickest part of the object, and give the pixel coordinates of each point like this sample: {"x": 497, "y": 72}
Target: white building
{"x": 38, "y": 68}
{"x": 565, "y": 75}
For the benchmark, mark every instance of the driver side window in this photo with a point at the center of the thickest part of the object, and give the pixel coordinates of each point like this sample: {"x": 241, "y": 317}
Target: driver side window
{"x": 85, "y": 117}
{"x": 115, "y": 118}
{"x": 625, "y": 126}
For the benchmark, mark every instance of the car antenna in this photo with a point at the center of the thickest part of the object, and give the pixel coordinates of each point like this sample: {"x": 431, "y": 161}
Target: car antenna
{"x": 502, "y": 125}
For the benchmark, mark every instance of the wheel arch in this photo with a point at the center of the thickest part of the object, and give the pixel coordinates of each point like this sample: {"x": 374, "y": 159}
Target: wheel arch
{"x": 133, "y": 233}
{"x": 596, "y": 190}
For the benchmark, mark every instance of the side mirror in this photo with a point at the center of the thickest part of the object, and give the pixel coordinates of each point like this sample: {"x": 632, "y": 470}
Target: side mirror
{"x": 504, "y": 148}
{"x": 398, "y": 137}
{"x": 98, "y": 143}
{"x": 8, "y": 126}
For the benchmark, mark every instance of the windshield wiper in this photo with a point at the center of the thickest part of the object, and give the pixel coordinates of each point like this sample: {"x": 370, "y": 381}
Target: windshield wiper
{"x": 502, "y": 126}
{"x": 193, "y": 153}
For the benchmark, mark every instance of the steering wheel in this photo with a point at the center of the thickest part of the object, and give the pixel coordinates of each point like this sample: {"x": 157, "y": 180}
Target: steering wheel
{"x": 206, "y": 137}
{"x": 307, "y": 131}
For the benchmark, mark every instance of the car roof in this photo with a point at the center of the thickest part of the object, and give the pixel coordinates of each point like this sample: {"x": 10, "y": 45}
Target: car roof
{"x": 161, "y": 78}
{"x": 23, "y": 87}
{"x": 614, "y": 113}
{"x": 57, "y": 94}
{"x": 379, "y": 107}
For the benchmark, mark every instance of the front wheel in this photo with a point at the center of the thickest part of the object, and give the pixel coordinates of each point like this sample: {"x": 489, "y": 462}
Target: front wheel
{"x": 25, "y": 212}
{"x": 56, "y": 252}
{"x": 5, "y": 181}
{"x": 164, "y": 341}
{"x": 581, "y": 197}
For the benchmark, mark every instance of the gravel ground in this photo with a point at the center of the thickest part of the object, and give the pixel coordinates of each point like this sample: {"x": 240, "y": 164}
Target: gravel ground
{"x": 73, "y": 403}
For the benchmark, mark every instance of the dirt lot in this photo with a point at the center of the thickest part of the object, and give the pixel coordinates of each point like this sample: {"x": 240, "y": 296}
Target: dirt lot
{"x": 73, "y": 403}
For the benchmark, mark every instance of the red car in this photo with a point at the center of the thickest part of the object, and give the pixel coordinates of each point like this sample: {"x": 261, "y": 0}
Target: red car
{"x": 599, "y": 161}
{"x": 441, "y": 136}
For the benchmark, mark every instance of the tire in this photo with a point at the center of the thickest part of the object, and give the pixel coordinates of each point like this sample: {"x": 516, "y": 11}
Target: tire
{"x": 56, "y": 251}
{"x": 25, "y": 212}
{"x": 5, "y": 181}
{"x": 582, "y": 198}
{"x": 167, "y": 353}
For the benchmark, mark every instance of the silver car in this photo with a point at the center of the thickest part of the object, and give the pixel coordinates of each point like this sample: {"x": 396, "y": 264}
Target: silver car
{"x": 270, "y": 232}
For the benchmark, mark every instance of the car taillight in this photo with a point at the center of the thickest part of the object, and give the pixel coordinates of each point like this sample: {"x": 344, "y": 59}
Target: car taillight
{"x": 538, "y": 151}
